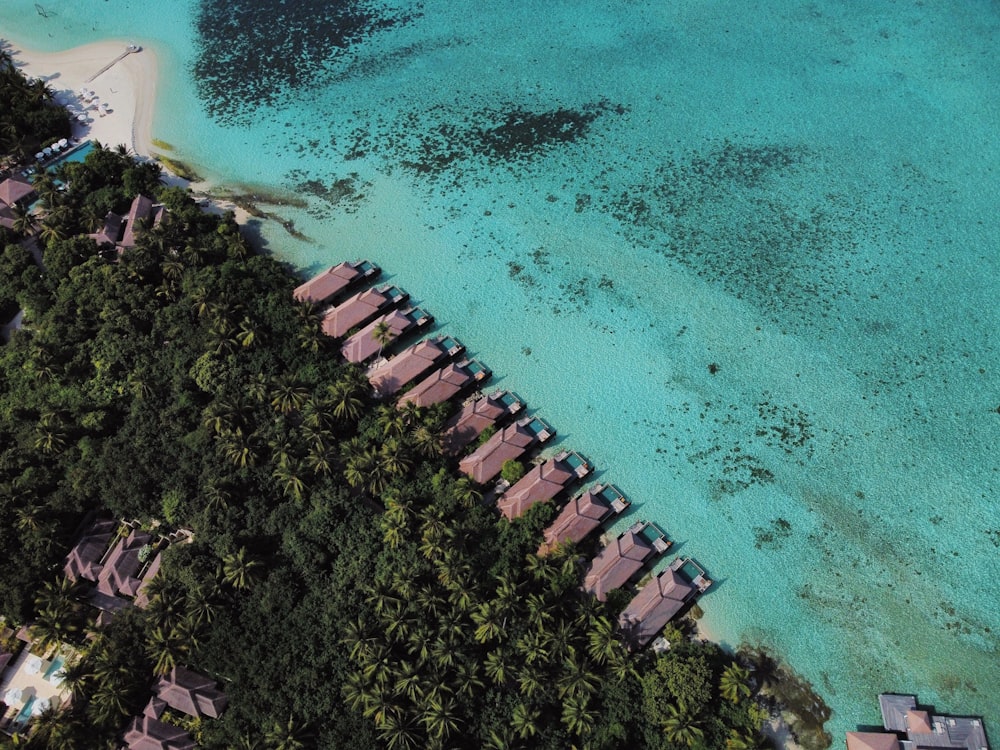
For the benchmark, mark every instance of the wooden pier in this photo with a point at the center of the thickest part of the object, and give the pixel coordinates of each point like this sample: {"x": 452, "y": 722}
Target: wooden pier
{"x": 128, "y": 51}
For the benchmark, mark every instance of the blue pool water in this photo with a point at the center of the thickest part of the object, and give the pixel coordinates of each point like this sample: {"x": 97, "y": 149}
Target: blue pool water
{"x": 57, "y": 664}
{"x": 742, "y": 256}
{"x": 77, "y": 154}
{"x": 25, "y": 712}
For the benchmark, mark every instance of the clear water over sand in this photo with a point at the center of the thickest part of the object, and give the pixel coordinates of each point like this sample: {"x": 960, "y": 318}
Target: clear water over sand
{"x": 603, "y": 199}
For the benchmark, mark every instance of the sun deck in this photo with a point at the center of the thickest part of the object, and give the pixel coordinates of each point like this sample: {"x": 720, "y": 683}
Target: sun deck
{"x": 446, "y": 383}
{"x": 363, "y": 345}
{"x": 660, "y": 600}
{"x": 542, "y": 482}
{"x": 360, "y": 309}
{"x": 336, "y": 280}
{"x": 388, "y": 377}
{"x": 622, "y": 559}
{"x": 512, "y": 442}
{"x": 583, "y": 515}
{"x": 476, "y": 415}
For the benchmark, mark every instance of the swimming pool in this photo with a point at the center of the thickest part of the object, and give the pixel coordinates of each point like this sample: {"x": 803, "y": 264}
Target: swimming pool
{"x": 57, "y": 664}
{"x": 79, "y": 153}
{"x": 25, "y": 712}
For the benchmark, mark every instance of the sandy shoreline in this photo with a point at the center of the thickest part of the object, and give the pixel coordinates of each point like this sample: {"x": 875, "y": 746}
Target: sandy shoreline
{"x": 128, "y": 88}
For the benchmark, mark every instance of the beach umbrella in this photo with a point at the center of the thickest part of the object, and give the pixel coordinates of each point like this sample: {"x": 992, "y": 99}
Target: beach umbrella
{"x": 39, "y": 156}
{"x": 43, "y": 705}
{"x": 47, "y": 151}
{"x": 13, "y": 696}
{"x": 33, "y": 665}
{"x": 64, "y": 142}
{"x": 81, "y": 118}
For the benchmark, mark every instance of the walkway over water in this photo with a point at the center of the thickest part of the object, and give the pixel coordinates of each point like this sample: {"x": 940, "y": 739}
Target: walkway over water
{"x": 128, "y": 51}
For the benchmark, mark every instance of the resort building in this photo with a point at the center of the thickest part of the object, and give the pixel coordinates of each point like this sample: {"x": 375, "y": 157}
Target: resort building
{"x": 909, "y": 727}
{"x": 583, "y": 515}
{"x": 542, "y": 482}
{"x": 365, "y": 344}
{"x": 475, "y": 416}
{"x": 334, "y": 281}
{"x": 84, "y": 560}
{"x": 124, "y": 565}
{"x": 149, "y": 733}
{"x": 412, "y": 363}
{"x": 191, "y": 693}
{"x": 446, "y": 383}
{"x": 660, "y": 600}
{"x": 512, "y": 442}
{"x": 122, "y": 231}
{"x": 360, "y": 309}
{"x": 623, "y": 558}
{"x": 15, "y": 190}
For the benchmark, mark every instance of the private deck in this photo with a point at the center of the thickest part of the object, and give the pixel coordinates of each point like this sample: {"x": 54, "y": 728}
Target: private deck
{"x": 412, "y": 363}
{"x": 475, "y": 416}
{"x": 361, "y": 309}
{"x": 334, "y": 281}
{"x": 622, "y": 559}
{"x": 660, "y": 600}
{"x": 446, "y": 383}
{"x": 542, "y": 482}
{"x": 512, "y": 442}
{"x": 363, "y": 345}
{"x": 583, "y": 515}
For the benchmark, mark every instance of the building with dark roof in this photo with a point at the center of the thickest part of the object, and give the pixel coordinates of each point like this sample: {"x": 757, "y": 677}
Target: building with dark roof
{"x": 475, "y": 416}
{"x": 511, "y": 442}
{"x": 659, "y": 601}
{"x": 191, "y": 693}
{"x": 121, "y": 572}
{"x": 15, "y": 190}
{"x": 361, "y": 308}
{"x": 334, "y": 281}
{"x": 84, "y": 560}
{"x": 363, "y": 345}
{"x": 583, "y": 515}
{"x": 623, "y": 558}
{"x": 148, "y": 733}
{"x": 142, "y": 211}
{"x": 910, "y": 727}
{"x": 412, "y": 363}
{"x": 446, "y": 383}
{"x": 542, "y": 482}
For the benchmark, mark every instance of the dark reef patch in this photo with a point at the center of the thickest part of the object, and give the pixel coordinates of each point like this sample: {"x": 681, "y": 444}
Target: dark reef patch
{"x": 253, "y": 53}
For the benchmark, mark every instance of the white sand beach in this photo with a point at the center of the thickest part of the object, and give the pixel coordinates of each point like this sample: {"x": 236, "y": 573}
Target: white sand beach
{"x": 128, "y": 88}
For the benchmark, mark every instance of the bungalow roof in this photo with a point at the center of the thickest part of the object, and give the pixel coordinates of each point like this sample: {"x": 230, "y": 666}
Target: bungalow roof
{"x": 334, "y": 280}
{"x": 581, "y": 515}
{"x": 83, "y": 561}
{"x": 191, "y": 693}
{"x": 872, "y": 741}
{"x": 439, "y": 386}
{"x": 142, "y": 209}
{"x": 653, "y": 607}
{"x": 617, "y": 562}
{"x": 15, "y": 189}
{"x": 110, "y": 232}
{"x": 147, "y": 733}
{"x": 474, "y": 417}
{"x": 542, "y": 482}
{"x": 363, "y": 345}
{"x": 486, "y": 461}
{"x": 411, "y": 363}
{"x": 118, "y": 574}
{"x": 359, "y": 309}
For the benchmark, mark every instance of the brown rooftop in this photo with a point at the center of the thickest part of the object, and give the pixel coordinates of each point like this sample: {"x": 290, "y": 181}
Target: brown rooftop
{"x": 872, "y": 741}
{"x": 360, "y": 309}
{"x": 362, "y": 346}
{"x": 84, "y": 560}
{"x": 335, "y": 280}
{"x": 618, "y": 562}
{"x": 147, "y": 733}
{"x": 118, "y": 576}
{"x": 542, "y": 482}
{"x": 485, "y": 462}
{"x": 412, "y": 363}
{"x": 15, "y": 189}
{"x": 142, "y": 210}
{"x": 581, "y": 516}
{"x": 110, "y": 233}
{"x": 474, "y": 417}
{"x": 191, "y": 693}
{"x": 655, "y": 604}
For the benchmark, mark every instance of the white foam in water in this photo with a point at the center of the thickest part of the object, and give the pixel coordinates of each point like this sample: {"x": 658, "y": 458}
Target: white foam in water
{"x": 603, "y": 200}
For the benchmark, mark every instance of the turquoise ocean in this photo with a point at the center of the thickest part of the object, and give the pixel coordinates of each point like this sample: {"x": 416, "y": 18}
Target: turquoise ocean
{"x": 743, "y": 256}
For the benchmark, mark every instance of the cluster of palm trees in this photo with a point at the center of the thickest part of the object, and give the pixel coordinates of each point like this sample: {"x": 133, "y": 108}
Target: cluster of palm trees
{"x": 28, "y": 113}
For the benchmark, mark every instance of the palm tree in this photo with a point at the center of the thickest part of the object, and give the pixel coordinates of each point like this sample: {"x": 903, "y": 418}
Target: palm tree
{"x": 76, "y": 675}
{"x": 464, "y": 490}
{"x": 393, "y": 458}
{"x": 164, "y": 648}
{"x": 346, "y": 398}
{"x": 577, "y": 718}
{"x": 497, "y": 666}
{"x": 239, "y": 449}
{"x": 399, "y": 732}
{"x": 382, "y": 333}
{"x": 287, "y": 395}
{"x": 734, "y": 683}
{"x": 290, "y": 481}
{"x": 54, "y": 625}
{"x": 239, "y": 570}
{"x": 390, "y": 420}
{"x": 681, "y": 726}
{"x": 248, "y": 333}
{"x": 441, "y": 718}
{"x": 737, "y": 741}
{"x": 577, "y": 679}
{"x": 524, "y": 720}
{"x": 602, "y": 640}
{"x": 291, "y": 735}
{"x": 24, "y": 220}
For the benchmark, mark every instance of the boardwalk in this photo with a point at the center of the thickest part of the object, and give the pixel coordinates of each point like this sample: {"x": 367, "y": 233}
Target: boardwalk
{"x": 131, "y": 49}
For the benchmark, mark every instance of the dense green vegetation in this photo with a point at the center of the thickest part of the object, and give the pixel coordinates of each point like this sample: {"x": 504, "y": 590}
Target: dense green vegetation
{"x": 342, "y": 584}
{"x": 29, "y": 117}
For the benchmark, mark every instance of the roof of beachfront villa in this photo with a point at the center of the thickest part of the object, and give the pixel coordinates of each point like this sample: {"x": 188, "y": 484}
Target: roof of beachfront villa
{"x": 619, "y": 561}
{"x": 510, "y": 443}
{"x": 111, "y": 232}
{"x": 191, "y": 693}
{"x": 657, "y": 602}
{"x": 445, "y": 383}
{"x": 363, "y": 345}
{"x": 142, "y": 209}
{"x": 84, "y": 560}
{"x": 583, "y": 515}
{"x": 148, "y": 733}
{"x": 412, "y": 363}
{"x": 15, "y": 189}
{"x": 335, "y": 280}
{"x": 120, "y": 572}
{"x": 475, "y": 416}
{"x": 908, "y": 727}
{"x": 362, "y": 307}
{"x": 542, "y": 482}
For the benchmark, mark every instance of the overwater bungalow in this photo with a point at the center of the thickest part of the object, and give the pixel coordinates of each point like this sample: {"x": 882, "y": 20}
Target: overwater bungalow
{"x": 412, "y": 363}
{"x": 909, "y": 726}
{"x": 623, "y": 558}
{"x": 475, "y": 416}
{"x": 542, "y": 482}
{"x": 191, "y": 693}
{"x": 361, "y": 309}
{"x": 660, "y": 600}
{"x": 363, "y": 345}
{"x": 583, "y": 515}
{"x": 336, "y": 280}
{"x": 511, "y": 442}
{"x": 84, "y": 560}
{"x": 446, "y": 383}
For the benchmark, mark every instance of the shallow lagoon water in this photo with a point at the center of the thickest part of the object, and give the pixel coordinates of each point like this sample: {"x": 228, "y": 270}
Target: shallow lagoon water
{"x": 601, "y": 200}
